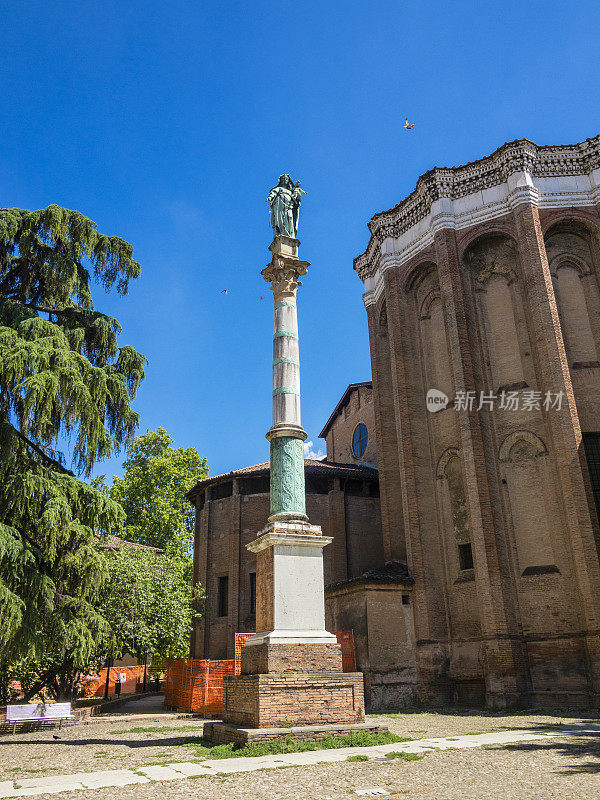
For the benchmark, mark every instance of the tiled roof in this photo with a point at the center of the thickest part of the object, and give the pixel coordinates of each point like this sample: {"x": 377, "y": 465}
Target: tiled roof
{"x": 391, "y": 572}
{"x": 111, "y": 542}
{"x": 311, "y": 467}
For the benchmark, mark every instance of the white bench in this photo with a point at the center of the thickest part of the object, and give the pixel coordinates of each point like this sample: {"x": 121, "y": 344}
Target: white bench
{"x": 40, "y": 712}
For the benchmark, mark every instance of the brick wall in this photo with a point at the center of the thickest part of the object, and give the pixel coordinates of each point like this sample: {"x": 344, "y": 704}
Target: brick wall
{"x": 359, "y": 408}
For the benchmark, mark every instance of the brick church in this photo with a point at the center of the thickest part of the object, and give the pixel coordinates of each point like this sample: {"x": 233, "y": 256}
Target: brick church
{"x": 466, "y": 540}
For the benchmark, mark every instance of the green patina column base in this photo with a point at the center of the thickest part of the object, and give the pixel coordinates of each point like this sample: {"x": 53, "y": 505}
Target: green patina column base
{"x": 288, "y": 499}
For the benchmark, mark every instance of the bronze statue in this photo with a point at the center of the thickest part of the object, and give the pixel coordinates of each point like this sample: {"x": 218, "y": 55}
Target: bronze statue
{"x": 284, "y": 206}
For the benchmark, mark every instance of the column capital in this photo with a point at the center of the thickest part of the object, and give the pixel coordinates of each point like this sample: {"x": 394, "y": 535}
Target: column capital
{"x": 285, "y": 268}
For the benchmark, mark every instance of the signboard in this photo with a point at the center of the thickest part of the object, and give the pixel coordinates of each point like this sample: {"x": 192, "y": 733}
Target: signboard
{"x": 31, "y": 711}
{"x": 123, "y": 677}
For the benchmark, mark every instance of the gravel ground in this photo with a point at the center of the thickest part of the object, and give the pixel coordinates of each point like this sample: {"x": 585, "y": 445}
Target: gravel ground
{"x": 558, "y": 769}
{"x": 96, "y": 746}
{"x": 421, "y": 724}
{"x": 115, "y": 744}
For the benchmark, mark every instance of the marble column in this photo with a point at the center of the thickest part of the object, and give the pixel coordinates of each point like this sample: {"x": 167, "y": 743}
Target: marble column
{"x": 286, "y": 434}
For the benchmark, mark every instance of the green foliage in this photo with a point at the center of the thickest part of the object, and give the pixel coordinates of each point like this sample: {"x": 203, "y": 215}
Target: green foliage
{"x": 149, "y": 604}
{"x": 62, "y": 373}
{"x": 357, "y": 758}
{"x": 152, "y": 492}
{"x": 404, "y": 756}
{"x": 203, "y": 747}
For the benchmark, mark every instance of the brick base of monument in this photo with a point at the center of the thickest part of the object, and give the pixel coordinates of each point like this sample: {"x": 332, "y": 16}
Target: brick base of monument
{"x": 262, "y": 658}
{"x": 299, "y": 698}
{"x": 223, "y": 732}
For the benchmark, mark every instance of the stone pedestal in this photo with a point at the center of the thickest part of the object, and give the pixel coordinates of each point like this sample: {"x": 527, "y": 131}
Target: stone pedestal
{"x": 292, "y": 668}
{"x": 290, "y": 600}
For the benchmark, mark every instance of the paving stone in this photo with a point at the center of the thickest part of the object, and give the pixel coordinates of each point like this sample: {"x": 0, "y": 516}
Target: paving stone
{"x": 110, "y": 777}
{"x": 189, "y": 768}
{"x": 161, "y": 773}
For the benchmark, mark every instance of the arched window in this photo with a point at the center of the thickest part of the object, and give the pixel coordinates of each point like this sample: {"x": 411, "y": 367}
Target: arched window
{"x": 360, "y": 438}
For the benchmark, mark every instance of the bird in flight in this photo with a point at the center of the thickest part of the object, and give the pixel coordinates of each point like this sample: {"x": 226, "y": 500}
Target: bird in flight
{"x": 224, "y": 291}
{"x": 408, "y": 125}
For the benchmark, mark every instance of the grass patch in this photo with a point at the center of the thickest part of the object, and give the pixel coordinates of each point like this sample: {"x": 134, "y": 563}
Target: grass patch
{"x": 158, "y": 729}
{"x": 205, "y": 749}
{"x": 42, "y": 769}
{"x": 405, "y": 756}
{"x": 357, "y": 758}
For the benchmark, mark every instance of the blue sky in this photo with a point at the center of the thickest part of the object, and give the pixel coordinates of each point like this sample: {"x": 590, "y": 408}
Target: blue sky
{"x": 167, "y": 123}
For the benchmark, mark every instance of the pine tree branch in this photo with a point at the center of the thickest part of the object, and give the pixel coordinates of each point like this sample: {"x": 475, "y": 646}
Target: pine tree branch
{"x": 43, "y": 309}
{"x": 52, "y": 461}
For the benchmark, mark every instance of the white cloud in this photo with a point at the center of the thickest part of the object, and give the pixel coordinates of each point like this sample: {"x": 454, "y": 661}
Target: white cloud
{"x": 318, "y": 455}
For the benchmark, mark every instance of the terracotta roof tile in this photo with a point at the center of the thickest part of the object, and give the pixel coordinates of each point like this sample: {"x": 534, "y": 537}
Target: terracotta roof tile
{"x": 311, "y": 467}
{"x": 390, "y": 572}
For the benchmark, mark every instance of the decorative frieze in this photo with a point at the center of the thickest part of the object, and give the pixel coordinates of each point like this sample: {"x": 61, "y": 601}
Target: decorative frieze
{"x": 520, "y": 157}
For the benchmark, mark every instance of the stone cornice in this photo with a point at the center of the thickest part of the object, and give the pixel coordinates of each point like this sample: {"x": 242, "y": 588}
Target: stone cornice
{"x": 521, "y": 156}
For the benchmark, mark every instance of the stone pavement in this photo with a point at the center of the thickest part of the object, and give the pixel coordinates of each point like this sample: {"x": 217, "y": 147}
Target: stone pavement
{"x": 27, "y": 787}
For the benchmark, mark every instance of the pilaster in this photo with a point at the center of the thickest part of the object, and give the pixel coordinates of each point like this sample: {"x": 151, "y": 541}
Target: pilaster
{"x": 505, "y": 670}
{"x": 563, "y": 422}
{"x": 429, "y": 616}
{"x": 392, "y": 520}
{"x": 234, "y": 570}
{"x": 337, "y": 528}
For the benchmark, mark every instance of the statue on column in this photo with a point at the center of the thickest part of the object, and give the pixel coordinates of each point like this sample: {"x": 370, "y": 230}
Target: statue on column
{"x": 284, "y": 207}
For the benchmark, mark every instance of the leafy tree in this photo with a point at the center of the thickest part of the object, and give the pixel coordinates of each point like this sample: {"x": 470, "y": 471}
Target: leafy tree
{"x": 152, "y": 492}
{"x": 149, "y": 604}
{"x": 62, "y": 374}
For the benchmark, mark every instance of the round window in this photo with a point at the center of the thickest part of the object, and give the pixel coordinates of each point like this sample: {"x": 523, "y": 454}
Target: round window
{"x": 359, "y": 440}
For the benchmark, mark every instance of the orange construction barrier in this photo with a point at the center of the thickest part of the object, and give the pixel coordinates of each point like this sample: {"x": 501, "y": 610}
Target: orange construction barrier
{"x": 94, "y": 685}
{"x": 196, "y": 685}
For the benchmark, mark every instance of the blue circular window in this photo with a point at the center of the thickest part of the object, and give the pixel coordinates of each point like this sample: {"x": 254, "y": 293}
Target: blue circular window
{"x": 359, "y": 440}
